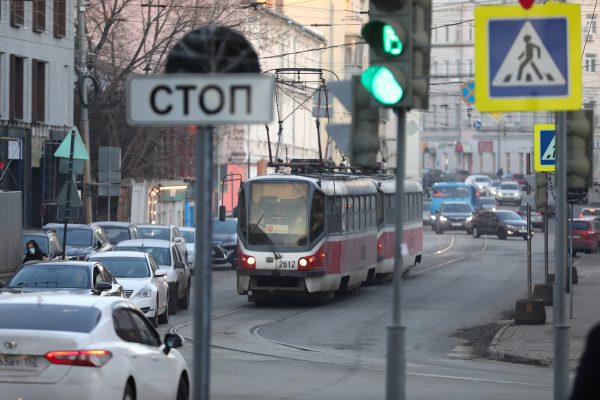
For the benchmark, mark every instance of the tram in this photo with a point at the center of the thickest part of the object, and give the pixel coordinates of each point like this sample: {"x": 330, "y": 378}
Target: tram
{"x": 317, "y": 234}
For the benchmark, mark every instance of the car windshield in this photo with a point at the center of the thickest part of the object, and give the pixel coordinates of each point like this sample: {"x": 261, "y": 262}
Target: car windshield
{"x": 508, "y": 216}
{"x": 116, "y": 234}
{"x": 76, "y": 236}
{"x": 509, "y": 186}
{"x": 581, "y": 225}
{"x": 51, "y": 276}
{"x": 487, "y": 201}
{"x": 590, "y": 211}
{"x": 224, "y": 227}
{"x": 125, "y": 267}
{"x": 189, "y": 236}
{"x": 155, "y": 233}
{"x": 456, "y": 208}
{"x": 42, "y": 242}
{"x": 495, "y": 184}
{"x": 162, "y": 255}
{"x": 452, "y": 192}
{"x": 482, "y": 179}
{"x": 49, "y": 317}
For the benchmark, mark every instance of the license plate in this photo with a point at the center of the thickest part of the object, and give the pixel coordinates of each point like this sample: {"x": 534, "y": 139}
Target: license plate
{"x": 286, "y": 264}
{"x": 456, "y": 224}
{"x": 523, "y": 230}
{"x": 23, "y": 363}
{"x": 577, "y": 236}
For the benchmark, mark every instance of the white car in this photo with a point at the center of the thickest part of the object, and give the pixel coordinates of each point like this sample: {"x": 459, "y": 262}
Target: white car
{"x": 509, "y": 192}
{"x": 189, "y": 234}
{"x": 481, "y": 182}
{"x": 168, "y": 257}
{"x": 70, "y": 347}
{"x": 164, "y": 232}
{"x": 144, "y": 283}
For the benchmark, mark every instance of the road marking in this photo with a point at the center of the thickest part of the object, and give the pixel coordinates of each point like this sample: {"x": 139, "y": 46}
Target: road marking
{"x": 452, "y": 260}
{"x": 443, "y": 250}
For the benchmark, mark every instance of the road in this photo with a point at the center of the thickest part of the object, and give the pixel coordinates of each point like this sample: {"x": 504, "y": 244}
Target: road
{"x": 453, "y": 303}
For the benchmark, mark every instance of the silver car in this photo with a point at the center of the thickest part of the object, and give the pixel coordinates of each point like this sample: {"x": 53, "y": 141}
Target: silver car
{"x": 509, "y": 192}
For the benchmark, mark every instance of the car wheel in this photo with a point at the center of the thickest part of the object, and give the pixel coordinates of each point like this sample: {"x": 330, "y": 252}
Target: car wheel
{"x": 164, "y": 317}
{"x": 475, "y": 232}
{"x": 183, "y": 389}
{"x": 173, "y": 300}
{"x": 129, "y": 392}
{"x": 501, "y": 234}
{"x": 184, "y": 302}
{"x": 154, "y": 320}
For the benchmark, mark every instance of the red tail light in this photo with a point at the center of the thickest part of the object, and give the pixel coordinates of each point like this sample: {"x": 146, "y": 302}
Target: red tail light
{"x": 380, "y": 253}
{"x": 247, "y": 262}
{"x": 313, "y": 261}
{"x": 83, "y": 358}
{"x": 581, "y": 214}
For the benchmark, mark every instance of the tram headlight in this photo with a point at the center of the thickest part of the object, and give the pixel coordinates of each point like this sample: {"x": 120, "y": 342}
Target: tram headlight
{"x": 251, "y": 261}
{"x": 303, "y": 262}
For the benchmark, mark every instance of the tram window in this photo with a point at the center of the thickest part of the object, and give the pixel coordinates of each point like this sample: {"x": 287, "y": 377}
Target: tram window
{"x": 379, "y": 208}
{"x": 344, "y": 214}
{"x": 317, "y": 216}
{"x": 242, "y": 213}
{"x": 364, "y": 211}
{"x": 334, "y": 210}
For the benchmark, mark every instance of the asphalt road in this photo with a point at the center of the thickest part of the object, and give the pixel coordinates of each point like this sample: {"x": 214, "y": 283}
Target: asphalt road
{"x": 452, "y": 303}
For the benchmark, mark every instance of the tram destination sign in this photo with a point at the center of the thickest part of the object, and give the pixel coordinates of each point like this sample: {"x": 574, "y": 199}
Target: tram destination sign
{"x": 199, "y": 99}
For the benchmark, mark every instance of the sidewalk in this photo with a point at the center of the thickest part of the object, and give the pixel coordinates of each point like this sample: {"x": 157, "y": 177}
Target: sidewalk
{"x": 534, "y": 344}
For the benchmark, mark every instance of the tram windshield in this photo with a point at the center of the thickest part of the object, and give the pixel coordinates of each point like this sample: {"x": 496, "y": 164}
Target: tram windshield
{"x": 277, "y": 214}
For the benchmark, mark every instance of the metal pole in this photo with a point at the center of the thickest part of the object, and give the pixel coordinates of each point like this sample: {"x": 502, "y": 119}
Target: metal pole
{"x": 571, "y": 261}
{"x": 529, "y": 293}
{"x": 84, "y": 123}
{"x": 203, "y": 262}
{"x": 68, "y": 201}
{"x": 546, "y": 243}
{"x": 396, "y": 358}
{"x": 109, "y": 182}
{"x": 561, "y": 330}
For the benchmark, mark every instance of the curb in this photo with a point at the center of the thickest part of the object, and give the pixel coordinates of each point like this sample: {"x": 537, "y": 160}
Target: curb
{"x": 498, "y": 355}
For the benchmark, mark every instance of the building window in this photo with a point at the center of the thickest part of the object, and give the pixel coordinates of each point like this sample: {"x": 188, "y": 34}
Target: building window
{"x": 60, "y": 18}
{"x": 447, "y": 67}
{"x": 435, "y": 35}
{"x": 38, "y": 91}
{"x": 16, "y": 87}
{"x": 470, "y": 32}
{"x": 458, "y": 68}
{"x": 471, "y": 67}
{"x": 447, "y": 33}
{"x": 590, "y": 25}
{"x": 434, "y": 69}
{"x": 590, "y": 63}
{"x": 17, "y": 12}
{"x": 39, "y": 15}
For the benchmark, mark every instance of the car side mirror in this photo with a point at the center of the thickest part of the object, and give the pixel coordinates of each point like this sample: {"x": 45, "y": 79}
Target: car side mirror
{"x": 222, "y": 213}
{"x": 172, "y": 341}
{"x": 103, "y": 286}
{"x": 159, "y": 273}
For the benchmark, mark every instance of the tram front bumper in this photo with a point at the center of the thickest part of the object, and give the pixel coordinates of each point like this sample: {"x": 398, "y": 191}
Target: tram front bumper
{"x": 275, "y": 280}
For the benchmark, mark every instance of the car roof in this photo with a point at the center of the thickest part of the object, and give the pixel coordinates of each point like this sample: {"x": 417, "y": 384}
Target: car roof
{"x": 515, "y": 182}
{"x": 455, "y": 202}
{"x": 54, "y": 225}
{"x": 102, "y": 302}
{"x": 587, "y": 218}
{"x": 40, "y": 232}
{"x": 88, "y": 264}
{"x": 118, "y": 253}
{"x": 145, "y": 243}
{"x": 187, "y": 228}
{"x": 114, "y": 223}
{"x": 155, "y": 226}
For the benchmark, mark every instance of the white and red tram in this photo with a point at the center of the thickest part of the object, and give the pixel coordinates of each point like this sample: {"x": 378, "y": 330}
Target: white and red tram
{"x": 318, "y": 234}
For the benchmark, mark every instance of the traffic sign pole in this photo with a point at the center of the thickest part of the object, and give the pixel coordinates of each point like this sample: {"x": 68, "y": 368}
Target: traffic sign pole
{"x": 68, "y": 201}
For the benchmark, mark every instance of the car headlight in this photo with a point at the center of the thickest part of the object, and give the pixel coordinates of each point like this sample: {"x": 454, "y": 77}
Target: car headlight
{"x": 145, "y": 292}
{"x": 469, "y": 218}
{"x": 443, "y": 219}
{"x": 432, "y": 217}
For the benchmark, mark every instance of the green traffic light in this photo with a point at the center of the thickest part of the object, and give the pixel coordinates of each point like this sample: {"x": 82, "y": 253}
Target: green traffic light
{"x": 391, "y": 42}
{"x": 383, "y": 86}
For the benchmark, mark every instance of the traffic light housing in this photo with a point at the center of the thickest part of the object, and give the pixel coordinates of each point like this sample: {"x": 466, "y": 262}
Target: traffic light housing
{"x": 538, "y": 184}
{"x": 364, "y": 134}
{"x": 580, "y": 158}
{"x": 398, "y": 34}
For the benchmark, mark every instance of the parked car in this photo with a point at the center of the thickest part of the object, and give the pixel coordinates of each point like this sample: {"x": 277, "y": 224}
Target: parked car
{"x": 225, "y": 241}
{"x": 75, "y": 347}
{"x": 144, "y": 283}
{"x": 586, "y": 235}
{"x": 165, "y": 232}
{"x": 168, "y": 257}
{"x": 537, "y": 219}
{"x": 189, "y": 234}
{"x": 118, "y": 231}
{"x": 502, "y": 223}
{"x": 589, "y": 211}
{"x": 47, "y": 240}
{"x": 509, "y": 192}
{"x": 453, "y": 216}
{"x": 492, "y": 190}
{"x": 82, "y": 240}
{"x": 77, "y": 277}
{"x": 486, "y": 203}
{"x": 481, "y": 182}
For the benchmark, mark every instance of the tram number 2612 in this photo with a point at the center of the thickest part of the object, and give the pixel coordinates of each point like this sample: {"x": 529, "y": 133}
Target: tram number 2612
{"x": 286, "y": 264}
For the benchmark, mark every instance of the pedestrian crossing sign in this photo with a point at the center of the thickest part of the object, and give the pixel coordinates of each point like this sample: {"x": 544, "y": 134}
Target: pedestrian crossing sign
{"x": 528, "y": 60}
{"x": 544, "y": 159}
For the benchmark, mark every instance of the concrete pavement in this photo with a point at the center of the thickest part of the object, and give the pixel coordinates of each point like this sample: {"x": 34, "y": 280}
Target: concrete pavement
{"x": 534, "y": 344}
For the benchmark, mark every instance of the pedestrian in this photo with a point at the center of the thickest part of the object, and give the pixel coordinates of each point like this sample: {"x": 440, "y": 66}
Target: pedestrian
{"x": 500, "y": 173}
{"x": 33, "y": 252}
{"x": 587, "y": 382}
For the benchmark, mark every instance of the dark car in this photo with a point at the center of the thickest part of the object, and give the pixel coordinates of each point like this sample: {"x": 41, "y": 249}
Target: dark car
{"x": 76, "y": 277}
{"x": 586, "y": 235}
{"x": 225, "y": 241}
{"x": 502, "y": 223}
{"x": 537, "y": 219}
{"x": 453, "y": 216}
{"x": 82, "y": 240}
{"x": 47, "y": 240}
{"x": 119, "y": 231}
{"x": 589, "y": 211}
{"x": 486, "y": 203}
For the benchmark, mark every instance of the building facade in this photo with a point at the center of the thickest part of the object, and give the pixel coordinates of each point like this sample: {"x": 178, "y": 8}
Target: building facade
{"x": 36, "y": 95}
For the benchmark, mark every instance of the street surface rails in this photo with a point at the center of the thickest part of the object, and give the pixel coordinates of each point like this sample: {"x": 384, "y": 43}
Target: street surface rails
{"x": 295, "y": 350}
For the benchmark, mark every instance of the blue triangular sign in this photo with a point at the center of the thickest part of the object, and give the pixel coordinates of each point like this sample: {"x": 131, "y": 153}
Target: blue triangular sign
{"x": 79, "y": 150}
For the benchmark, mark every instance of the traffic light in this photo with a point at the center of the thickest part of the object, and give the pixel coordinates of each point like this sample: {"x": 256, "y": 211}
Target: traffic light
{"x": 398, "y": 33}
{"x": 538, "y": 183}
{"x": 580, "y": 147}
{"x": 364, "y": 136}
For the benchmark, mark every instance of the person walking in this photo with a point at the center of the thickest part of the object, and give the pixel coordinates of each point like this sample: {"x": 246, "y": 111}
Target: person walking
{"x": 33, "y": 252}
